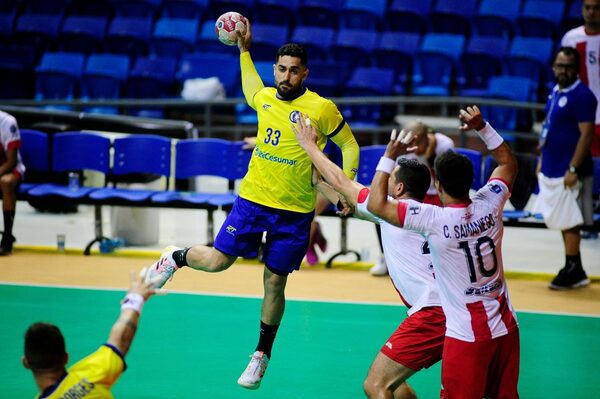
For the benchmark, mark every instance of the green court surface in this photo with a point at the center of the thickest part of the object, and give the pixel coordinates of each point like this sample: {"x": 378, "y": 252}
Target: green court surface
{"x": 195, "y": 346}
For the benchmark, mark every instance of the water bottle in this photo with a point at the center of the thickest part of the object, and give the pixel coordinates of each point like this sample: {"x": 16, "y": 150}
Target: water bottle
{"x": 73, "y": 181}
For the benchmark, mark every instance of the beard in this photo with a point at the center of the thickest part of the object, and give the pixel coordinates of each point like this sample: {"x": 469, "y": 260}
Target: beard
{"x": 285, "y": 90}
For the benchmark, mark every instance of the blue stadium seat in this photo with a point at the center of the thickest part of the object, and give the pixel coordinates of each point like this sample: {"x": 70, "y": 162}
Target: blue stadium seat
{"x": 211, "y": 153}
{"x": 369, "y": 157}
{"x": 360, "y": 14}
{"x": 74, "y": 152}
{"x": 319, "y": 13}
{"x": 16, "y": 71}
{"x": 326, "y": 78}
{"x": 136, "y": 8}
{"x": 7, "y": 23}
{"x": 129, "y": 36}
{"x": 174, "y": 36}
{"x": 266, "y": 40}
{"x": 225, "y": 67}
{"x": 83, "y": 34}
{"x": 35, "y": 151}
{"x": 57, "y": 76}
{"x": 103, "y": 77}
{"x": 476, "y": 159}
{"x": 481, "y": 60}
{"x": 396, "y": 50}
{"x": 367, "y": 81}
{"x": 529, "y": 57}
{"x": 36, "y": 31}
{"x": 496, "y": 18}
{"x": 435, "y": 64}
{"x": 216, "y": 8}
{"x": 317, "y": 41}
{"x": 134, "y": 154}
{"x": 354, "y": 47}
{"x": 452, "y": 16}
{"x": 540, "y": 18}
{"x": 514, "y": 88}
{"x": 276, "y": 12}
{"x": 408, "y": 16}
{"x": 207, "y": 41}
{"x": 184, "y": 8}
{"x": 151, "y": 77}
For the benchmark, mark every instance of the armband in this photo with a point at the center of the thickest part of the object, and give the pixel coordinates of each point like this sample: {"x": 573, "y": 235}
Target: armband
{"x": 490, "y": 137}
{"x": 386, "y": 165}
{"x": 133, "y": 301}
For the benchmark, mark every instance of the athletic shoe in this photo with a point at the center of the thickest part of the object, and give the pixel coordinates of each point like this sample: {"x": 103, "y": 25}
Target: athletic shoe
{"x": 569, "y": 278}
{"x": 6, "y": 245}
{"x": 163, "y": 270}
{"x": 311, "y": 256}
{"x": 380, "y": 268}
{"x": 252, "y": 376}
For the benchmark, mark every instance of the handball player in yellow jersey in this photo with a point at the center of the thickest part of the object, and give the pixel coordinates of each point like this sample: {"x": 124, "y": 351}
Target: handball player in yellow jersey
{"x": 276, "y": 196}
{"x": 92, "y": 377}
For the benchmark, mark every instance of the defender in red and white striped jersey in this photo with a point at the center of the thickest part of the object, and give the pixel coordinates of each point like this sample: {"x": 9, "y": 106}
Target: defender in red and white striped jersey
{"x": 481, "y": 350}
{"x": 418, "y": 342}
{"x": 12, "y": 171}
{"x": 586, "y": 39}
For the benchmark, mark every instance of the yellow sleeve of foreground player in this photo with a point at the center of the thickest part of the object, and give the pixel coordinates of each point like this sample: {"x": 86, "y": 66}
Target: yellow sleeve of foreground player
{"x": 251, "y": 82}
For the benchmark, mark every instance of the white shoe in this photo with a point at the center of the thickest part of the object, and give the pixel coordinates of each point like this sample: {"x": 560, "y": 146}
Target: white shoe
{"x": 252, "y": 376}
{"x": 380, "y": 268}
{"x": 163, "y": 270}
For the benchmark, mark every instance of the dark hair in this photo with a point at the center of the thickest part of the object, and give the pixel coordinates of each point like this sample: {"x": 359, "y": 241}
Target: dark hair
{"x": 455, "y": 173}
{"x": 415, "y": 176}
{"x": 293, "y": 50}
{"x": 570, "y": 52}
{"x": 44, "y": 346}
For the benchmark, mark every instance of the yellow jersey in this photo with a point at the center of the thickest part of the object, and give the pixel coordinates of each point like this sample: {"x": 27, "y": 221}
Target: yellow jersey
{"x": 89, "y": 378}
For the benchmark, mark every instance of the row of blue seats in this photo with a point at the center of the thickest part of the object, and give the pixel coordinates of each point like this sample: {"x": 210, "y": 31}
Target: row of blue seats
{"x": 432, "y": 65}
{"x": 528, "y": 17}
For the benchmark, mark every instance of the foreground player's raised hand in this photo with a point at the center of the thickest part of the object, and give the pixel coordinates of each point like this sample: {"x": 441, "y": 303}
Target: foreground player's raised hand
{"x": 306, "y": 134}
{"x": 138, "y": 285}
{"x": 244, "y": 40}
{"x": 400, "y": 143}
{"x": 471, "y": 118}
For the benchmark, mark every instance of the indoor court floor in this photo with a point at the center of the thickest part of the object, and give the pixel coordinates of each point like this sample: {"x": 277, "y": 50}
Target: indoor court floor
{"x": 195, "y": 341}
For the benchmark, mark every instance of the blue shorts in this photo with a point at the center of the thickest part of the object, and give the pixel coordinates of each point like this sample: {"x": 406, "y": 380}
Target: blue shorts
{"x": 286, "y": 241}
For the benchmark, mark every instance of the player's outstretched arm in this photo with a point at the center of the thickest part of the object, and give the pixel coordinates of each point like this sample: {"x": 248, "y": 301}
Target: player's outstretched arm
{"x": 379, "y": 204}
{"x": 306, "y": 136}
{"x": 507, "y": 168}
{"x": 251, "y": 81}
{"x": 122, "y": 332}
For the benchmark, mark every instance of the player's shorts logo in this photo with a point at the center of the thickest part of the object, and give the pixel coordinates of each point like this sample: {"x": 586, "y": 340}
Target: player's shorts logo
{"x": 495, "y": 188}
{"x": 294, "y": 116}
{"x": 231, "y": 230}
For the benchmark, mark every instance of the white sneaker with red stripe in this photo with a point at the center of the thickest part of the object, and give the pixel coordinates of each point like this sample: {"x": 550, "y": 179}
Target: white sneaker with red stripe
{"x": 163, "y": 270}
{"x": 252, "y": 376}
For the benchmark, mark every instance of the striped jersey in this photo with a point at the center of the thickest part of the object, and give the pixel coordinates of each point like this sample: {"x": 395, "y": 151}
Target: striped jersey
{"x": 10, "y": 138}
{"x": 280, "y": 171}
{"x": 588, "y": 47}
{"x": 90, "y": 378}
{"x": 407, "y": 258}
{"x": 466, "y": 249}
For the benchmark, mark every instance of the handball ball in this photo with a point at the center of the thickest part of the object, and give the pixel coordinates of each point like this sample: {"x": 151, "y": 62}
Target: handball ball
{"x": 226, "y": 26}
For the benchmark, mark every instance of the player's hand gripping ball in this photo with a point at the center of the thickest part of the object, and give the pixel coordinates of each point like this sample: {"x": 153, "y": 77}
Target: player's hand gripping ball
{"x": 226, "y": 27}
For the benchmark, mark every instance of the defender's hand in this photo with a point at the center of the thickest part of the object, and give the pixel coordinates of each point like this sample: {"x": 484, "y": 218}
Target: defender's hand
{"x": 304, "y": 131}
{"x": 471, "y": 118}
{"x": 400, "y": 144}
